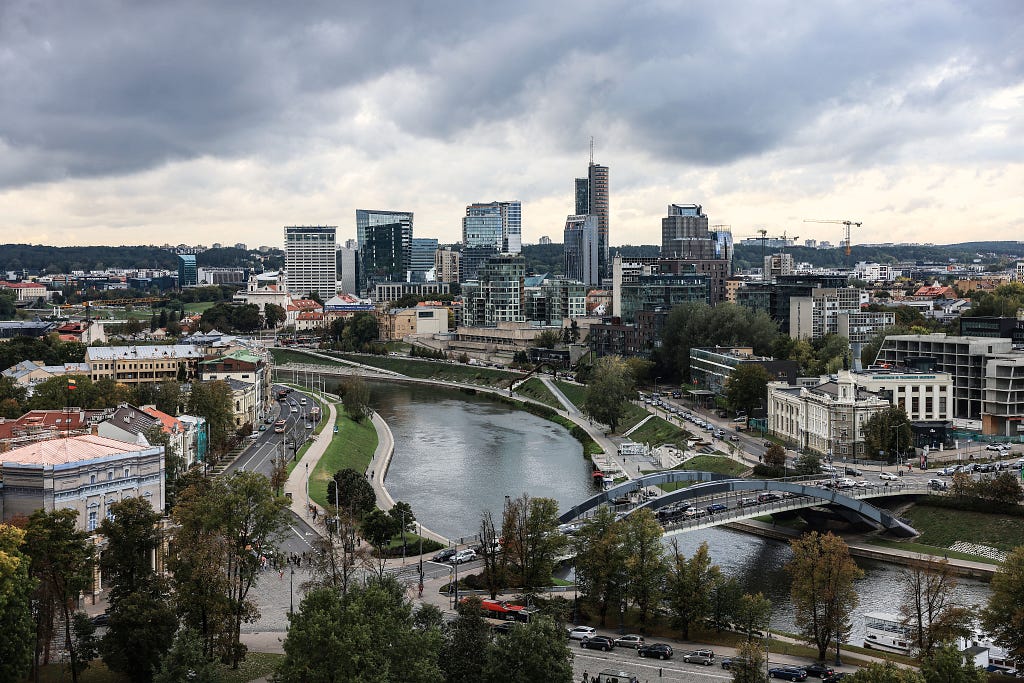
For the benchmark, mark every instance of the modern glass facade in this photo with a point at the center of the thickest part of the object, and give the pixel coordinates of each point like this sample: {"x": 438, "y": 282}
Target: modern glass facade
{"x": 385, "y": 245}
{"x": 422, "y": 260}
{"x": 494, "y": 224}
{"x": 188, "y": 274}
{"x": 582, "y": 249}
{"x": 650, "y": 292}
{"x": 497, "y": 294}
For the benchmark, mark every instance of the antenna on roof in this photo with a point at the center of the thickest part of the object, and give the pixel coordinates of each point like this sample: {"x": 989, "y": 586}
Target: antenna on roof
{"x": 591, "y": 150}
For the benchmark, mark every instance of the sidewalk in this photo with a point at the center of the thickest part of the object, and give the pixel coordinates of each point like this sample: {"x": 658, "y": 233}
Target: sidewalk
{"x": 297, "y": 486}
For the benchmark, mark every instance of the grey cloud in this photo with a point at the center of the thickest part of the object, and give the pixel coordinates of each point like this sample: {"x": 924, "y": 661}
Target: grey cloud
{"x": 113, "y": 88}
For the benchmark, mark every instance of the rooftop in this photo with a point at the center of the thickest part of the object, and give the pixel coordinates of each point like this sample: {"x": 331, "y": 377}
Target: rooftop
{"x": 154, "y": 352}
{"x": 63, "y": 451}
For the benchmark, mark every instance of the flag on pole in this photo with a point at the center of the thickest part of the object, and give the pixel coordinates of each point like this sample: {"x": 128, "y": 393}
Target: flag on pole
{"x": 71, "y": 383}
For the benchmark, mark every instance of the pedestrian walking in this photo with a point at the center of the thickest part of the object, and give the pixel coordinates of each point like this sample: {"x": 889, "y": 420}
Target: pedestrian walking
{"x": 586, "y": 676}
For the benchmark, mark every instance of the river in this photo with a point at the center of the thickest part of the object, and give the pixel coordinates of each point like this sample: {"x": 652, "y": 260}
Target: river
{"x": 457, "y": 454}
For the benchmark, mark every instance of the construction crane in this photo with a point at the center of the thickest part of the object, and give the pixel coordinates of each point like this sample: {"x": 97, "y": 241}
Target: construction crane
{"x": 848, "y": 224}
{"x": 764, "y": 238}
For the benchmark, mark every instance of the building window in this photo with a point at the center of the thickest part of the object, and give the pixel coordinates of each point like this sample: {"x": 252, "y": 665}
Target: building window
{"x": 127, "y": 472}
{"x": 110, "y": 475}
{"x": 92, "y": 478}
{"x": 91, "y": 524}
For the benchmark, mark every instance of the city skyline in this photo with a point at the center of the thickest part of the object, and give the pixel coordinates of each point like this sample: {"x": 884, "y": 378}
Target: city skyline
{"x": 225, "y": 124}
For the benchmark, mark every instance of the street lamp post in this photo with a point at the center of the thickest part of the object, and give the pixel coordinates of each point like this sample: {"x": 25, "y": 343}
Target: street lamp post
{"x": 897, "y": 428}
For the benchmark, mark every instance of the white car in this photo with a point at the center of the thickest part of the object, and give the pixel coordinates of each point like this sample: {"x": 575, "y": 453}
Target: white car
{"x": 581, "y": 632}
{"x": 887, "y": 476}
{"x": 845, "y": 483}
{"x": 467, "y": 555}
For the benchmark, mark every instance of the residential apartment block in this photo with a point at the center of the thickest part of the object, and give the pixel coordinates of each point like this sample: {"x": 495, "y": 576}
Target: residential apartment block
{"x": 143, "y": 364}
{"x": 311, "y": 260}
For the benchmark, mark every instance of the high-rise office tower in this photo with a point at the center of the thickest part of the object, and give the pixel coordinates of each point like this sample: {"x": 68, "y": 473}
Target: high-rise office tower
{"x": 446, "y": 265}
{"x": 687, "y": 238}
{"x": 348, "y": 269}
{"x": 423, "y": 249}
{"x": 581, "y": 249}
{"x": 494, "y": 224}
{"x": 311, "y": 260}
{"x": 188, "y": 274}
{"x": 385, "y": 246}
{"x": 592, "y": 198}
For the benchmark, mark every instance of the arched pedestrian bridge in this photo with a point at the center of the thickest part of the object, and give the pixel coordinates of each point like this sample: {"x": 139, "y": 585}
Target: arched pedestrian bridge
{"x": 717, "y": 489}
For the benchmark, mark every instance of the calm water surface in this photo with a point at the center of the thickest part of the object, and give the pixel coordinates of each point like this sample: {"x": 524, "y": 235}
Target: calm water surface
{"x": 457, "y": 454}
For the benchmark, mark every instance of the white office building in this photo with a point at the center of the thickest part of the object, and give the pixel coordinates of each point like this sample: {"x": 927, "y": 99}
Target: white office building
{"x": 311, "y": 260}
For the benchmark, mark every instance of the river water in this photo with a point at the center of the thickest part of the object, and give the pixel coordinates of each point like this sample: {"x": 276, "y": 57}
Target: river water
{"x": 457, "y": 454}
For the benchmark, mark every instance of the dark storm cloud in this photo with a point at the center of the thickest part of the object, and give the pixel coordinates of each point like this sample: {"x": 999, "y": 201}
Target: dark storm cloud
{"x": 111, "y": 88}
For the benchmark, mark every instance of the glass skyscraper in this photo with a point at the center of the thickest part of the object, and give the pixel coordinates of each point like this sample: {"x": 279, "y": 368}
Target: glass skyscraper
{"x": 592, "y": 199}
{"x": 494, "y": 224}
{"x": 385, "y": 246}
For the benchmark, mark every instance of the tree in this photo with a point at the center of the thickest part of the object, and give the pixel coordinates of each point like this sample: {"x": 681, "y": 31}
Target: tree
{"x": 16, "y": 587}
{"x": 948, "y": 665}
{"x": 822, "y": 588}
{"x": 359, "y": 332}
{"x": 689, "y": 587}
{"x": 278, "y": 474}
{"x": 132, "y": 535}
{"x": 962, "y": 485}
{"x": 62, "y": 562}
{"x": 548, "y": 339}
{"x": 808, "y": 463}
{"x": 12, "y": 398}
{"x": 600, "y": 561}
{"x": 340, "y": 638}
{"x": 274, "y": 315}
{"x": 645, "y": 561}
{"x": 752, "y": 613}
{"x": 1004, "y": 488}
{"x": 495, "y": 562}
{"x": 928, "y": 608}
{"x": 350, "y": 490}
{"x": 185, "y": 661}
{"x": 876, "y": 672}
{"x": 224, "y": 526}
{"x": 84, "y": 636}
{"x": 775, "y": 456}
{"x": 131, "y": 327}
{"x": 747, "y": 387}
{"x": 356, "y": 395}
{"x": 378, "y": 529}
{"x": 531, "y": 652}
{"x": 336, "y": 554}
{"x": 888, "y": 430}
{"x": 469, "y": 636}
{"x": 609, "y": 389}
{"x": 749, "y": 665}
{"x": 1003, "y": 615}
{"x": 692, "y": 325}
{"x": 725, "y": 597}
{"x": 213, "y": 402}
{"x": 532, "y": 542}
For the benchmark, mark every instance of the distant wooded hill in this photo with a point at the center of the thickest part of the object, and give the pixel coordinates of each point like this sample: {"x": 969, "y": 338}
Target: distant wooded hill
{"x": 46, "y": 259}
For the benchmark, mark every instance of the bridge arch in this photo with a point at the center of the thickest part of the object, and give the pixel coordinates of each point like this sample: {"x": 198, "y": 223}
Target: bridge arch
{"x": 633, "y": 485}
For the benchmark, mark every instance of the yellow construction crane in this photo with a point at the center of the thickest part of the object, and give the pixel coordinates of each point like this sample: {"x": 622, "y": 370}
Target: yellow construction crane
{"x": 848, "y": 224}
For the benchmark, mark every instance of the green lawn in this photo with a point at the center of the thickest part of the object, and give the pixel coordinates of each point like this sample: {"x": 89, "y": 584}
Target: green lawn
{"x": 425, "y": 369}
{"x": 925, "y": 549}
{"x": 577, "y": 393}
{"x": 282, "y": 356}
{"x": 537, "y": 390}
{"x": 632, "y": 415}
{"x": 704, "y": 463}
{"x": 942, "y": 527}
{"x": 658, "y": 431}
{"x": 352, "y": 447}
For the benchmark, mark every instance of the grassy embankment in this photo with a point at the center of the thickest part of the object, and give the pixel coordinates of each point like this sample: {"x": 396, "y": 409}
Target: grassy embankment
{"x": 577, "y": 393}
{"x": 941, "y": 527}
{"x": 658, "y": 431}
{"x": 441, "y": 371}
{"x": 282, "y": 356}
{"x": 538, "y": 391}
{"x": 352, "y": 447}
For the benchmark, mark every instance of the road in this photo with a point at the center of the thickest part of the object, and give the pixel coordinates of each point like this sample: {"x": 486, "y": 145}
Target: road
{"x": 259, "y": 457}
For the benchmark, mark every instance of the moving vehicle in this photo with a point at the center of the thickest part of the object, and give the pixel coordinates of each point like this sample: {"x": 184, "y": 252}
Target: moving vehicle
{"x": 295, "y": 409}
{"x": 444, "y": 555}
{"x": 467, "y": 555}
{"x": 603, "y": 643}
{"x": 887, "y": 476}
{"x": 789, "y": 673}
{"x": 746, "y": 502}
{"x": 716, "y": 507}
{"x": 768, "y": 497}
{"x": 302, "y": 401}
{"x": 501, "y": 609}
{"x": 729, "y": 662}
{"x": 937, "y": 485}
{"x": 581, "y": 632}
{"x": 657, "y": 650}
{"x": 705, "y": 657}
{"x": 616, "y": 676}
{"x": 819, "y": 670}
{"x": 630, "y": 640}
{"x": 279, "y": 429}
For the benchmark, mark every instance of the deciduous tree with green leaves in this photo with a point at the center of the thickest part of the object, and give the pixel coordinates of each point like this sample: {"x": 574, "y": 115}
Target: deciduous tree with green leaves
{"x": 356, "y": 397}
{"x": 752, "y": 613}
{"x": 468, "y": 637}
{"x": 1003, "y": 615}
{"x": 185, "y": 661}
{"x": 213, "y": 401}
{"x": 600, "y": 561}
{"x": 876, "y": 672}
{"x": 689, "y": 587}
{"x": 532, "y": 542}
{"x": 645, "y": 562}
{"x": 888, "y": 430}
{"x": 531, "y": 652}
{"x": 609, "y": 388}
{"x": 747, "y": 387}
{"x": 822, "y": 589}
{"x": 948, "y": 664}
{"x": 62, "y": 564}
{"x": 16, "y": 587}
{"x": 749, "y": 666}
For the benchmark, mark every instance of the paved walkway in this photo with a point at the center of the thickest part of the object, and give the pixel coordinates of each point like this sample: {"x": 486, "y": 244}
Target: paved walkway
{"x": 557, "y": 392}
{"x": 637, "y": 426}
{"x": 298, "y": 481}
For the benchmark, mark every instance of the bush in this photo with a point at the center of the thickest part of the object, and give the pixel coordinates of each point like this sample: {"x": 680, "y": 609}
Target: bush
{"x": 412, "y": 549}
{"x": 768, "y": 472}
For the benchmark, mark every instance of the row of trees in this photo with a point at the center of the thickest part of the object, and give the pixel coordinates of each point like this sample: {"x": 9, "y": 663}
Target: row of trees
{"x": 223, "y": 529}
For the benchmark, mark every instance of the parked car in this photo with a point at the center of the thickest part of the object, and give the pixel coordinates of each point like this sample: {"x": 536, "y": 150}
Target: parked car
{"x": 729, "y": 662}
{"x": 834, "y": 678}
{"x": 994, "y": 447}
{"x": 657, "y": 650}
{"x": 100, "y": 619}
{"x": 467, "y": 555}
{"x": 581, "y": 632}
{"x": 630, "y": 640}
{"x": 790, "y": 673}
{"x": 603, "y": 643}
{"x": 887, "y": 476}
{"x": 819, "y": 670}
{"x": 705, "y": 657}
{"x": 444, "y": 555}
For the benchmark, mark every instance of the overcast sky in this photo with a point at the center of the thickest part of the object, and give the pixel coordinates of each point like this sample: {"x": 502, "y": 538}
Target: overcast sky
{"x": 201, "y": 122}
